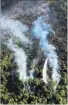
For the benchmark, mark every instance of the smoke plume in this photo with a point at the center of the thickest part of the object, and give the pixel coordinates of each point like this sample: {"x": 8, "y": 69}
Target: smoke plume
{"x": 17, "y": 29}
{"x": 41, "y": 31}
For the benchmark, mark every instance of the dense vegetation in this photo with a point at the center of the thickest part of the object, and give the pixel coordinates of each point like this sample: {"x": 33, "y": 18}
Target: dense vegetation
{"x": 35, "y": 91}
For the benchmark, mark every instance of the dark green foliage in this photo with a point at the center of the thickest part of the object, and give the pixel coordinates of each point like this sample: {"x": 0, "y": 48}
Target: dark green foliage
{"x": 60, "y": 8}
{"x": 35, "y": 91}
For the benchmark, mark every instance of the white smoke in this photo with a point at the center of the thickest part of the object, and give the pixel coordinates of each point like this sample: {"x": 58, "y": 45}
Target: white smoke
{"x": 45, "y": 68}
{"x": 17, "y": 29}
{"x": 34, "y": 62}
{"x": 20, "y": 58}
{"x": 41, "y": 31}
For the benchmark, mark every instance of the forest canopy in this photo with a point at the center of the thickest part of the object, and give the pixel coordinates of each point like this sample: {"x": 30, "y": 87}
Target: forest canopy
{"x": 34, "y": 91}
